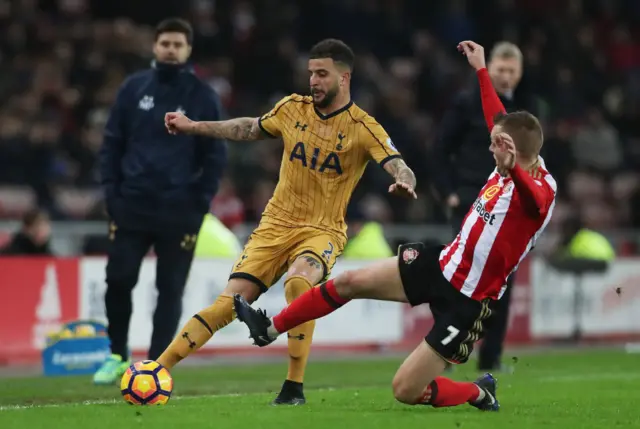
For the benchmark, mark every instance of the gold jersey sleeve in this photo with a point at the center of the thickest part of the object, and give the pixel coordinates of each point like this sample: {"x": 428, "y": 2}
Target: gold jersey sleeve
{"x": 376, "y": 141}
{"x": 273, "y": 122}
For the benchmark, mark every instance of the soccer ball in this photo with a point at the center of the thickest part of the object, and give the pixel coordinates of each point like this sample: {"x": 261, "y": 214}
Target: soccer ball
{"x": 146, "y": 383}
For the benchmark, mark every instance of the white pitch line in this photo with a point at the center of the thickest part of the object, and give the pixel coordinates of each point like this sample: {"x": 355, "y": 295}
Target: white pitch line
{"x": 591, "y": 377}
{"x": 544, "y": 379}
{"x": 119, "y": 400}
{"x": 108, "y": 402}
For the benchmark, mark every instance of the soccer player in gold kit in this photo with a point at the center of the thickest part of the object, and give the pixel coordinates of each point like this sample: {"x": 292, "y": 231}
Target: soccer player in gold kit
{"x": 328, "y": 141}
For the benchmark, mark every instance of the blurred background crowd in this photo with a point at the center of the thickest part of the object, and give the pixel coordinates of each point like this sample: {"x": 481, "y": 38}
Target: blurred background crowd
{"x": 61, "y": 62}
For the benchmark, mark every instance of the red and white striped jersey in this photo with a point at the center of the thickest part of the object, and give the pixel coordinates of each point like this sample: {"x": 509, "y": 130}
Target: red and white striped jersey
{"x": 496, "y": 235}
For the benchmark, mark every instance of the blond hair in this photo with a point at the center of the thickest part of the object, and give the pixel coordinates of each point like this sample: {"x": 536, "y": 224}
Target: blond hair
{"x": 526, "y": 131}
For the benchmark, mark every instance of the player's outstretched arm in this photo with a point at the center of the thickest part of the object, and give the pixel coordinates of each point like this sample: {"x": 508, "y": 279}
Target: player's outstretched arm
{"x": 491, "y": 104}
{"x": 238, "y": 129}
{"x": 405, "y": 178}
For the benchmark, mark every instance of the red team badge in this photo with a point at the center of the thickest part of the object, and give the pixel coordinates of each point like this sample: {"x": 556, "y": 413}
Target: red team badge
{"x": 409, "y": 255}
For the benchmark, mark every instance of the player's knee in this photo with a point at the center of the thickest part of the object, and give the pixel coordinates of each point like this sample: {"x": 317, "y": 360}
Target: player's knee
{"x": 308, "y": 266}
{"x": 350, "y": 283}
{"x": 404, "y": 391}
{"x": 247, "y": 289}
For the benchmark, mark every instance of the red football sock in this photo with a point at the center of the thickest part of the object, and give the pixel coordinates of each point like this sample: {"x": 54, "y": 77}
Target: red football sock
{"x": 313, "y": 304}
{"x": 444, "y": 392}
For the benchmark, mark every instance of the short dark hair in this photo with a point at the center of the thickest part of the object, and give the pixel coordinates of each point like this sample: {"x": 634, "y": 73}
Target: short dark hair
{"x": 175, "y": 25}
{"x": 335, "y": 49}
{"x": 525, "y": 129}
{"x": 33, "y": 216}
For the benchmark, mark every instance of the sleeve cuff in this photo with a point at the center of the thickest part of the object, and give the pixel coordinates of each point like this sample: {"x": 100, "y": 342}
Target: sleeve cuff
{"x": 389, "y": 158}
{"x": 264, "y": 130}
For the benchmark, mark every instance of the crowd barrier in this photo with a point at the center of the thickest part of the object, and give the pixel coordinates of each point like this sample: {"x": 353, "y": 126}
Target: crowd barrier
{"x": 40, "y": 294}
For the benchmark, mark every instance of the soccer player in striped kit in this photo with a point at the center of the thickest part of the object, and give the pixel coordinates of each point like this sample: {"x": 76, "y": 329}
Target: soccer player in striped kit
{"x": 461, "y": 281}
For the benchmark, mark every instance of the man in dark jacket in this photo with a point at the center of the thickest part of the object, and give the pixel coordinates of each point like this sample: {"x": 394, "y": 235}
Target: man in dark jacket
{"x": 462, "y": 162}
{"x": 33, "y": 237}
{"x": 158, "y": 187}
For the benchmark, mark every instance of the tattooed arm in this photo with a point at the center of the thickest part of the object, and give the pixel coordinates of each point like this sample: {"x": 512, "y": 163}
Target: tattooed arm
{"x": 405, "y": 179}
{"x": 400, "y": 171}
{"x": 238, "y": 129}
{"x": 380, "y": 147}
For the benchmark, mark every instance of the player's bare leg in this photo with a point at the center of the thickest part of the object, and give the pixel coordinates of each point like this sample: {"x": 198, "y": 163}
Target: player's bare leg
{"x": 201, "y": 327}
{"x": 379, "y": 281}
{"x": 306, "y": 271}
{"x": 418, "y": 382}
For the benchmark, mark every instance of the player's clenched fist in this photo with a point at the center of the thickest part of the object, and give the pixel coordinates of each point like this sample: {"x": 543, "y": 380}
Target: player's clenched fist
{"x": 177, "y": 122}
{"x": 474, "y": 53}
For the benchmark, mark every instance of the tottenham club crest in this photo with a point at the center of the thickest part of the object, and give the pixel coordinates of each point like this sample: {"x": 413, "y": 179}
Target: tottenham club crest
{"x": 409, "y": 255}
{"x": 146, "y": 103}
{"x": 391, "y": 145}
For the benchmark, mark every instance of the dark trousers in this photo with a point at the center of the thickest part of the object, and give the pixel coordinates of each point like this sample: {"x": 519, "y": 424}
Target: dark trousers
{"x": 174, "y": 256}
{"x": 490, "y": 351}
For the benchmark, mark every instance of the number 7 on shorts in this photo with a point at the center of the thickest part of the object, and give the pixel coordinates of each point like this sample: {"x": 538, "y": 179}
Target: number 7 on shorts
{"x": 453, "y": 332}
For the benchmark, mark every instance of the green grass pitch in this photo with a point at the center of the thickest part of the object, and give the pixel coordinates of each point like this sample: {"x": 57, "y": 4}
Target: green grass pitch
{"x": 586, "y": 389}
